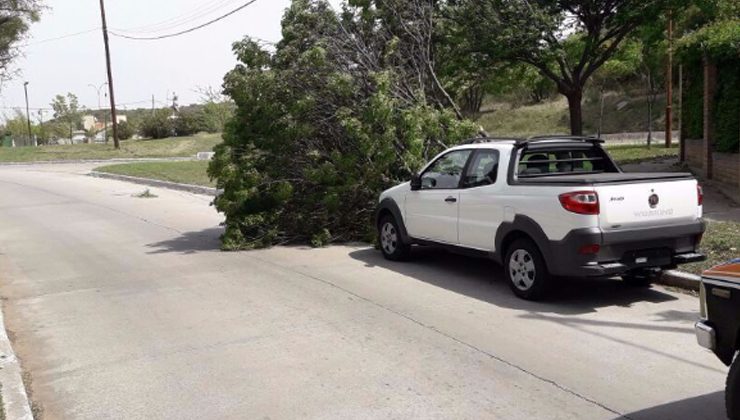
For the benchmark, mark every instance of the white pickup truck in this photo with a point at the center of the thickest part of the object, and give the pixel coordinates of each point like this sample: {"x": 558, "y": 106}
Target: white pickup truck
{"x": 546, "y": 207}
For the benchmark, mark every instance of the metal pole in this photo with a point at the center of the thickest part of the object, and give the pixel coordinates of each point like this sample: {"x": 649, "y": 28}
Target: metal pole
{"x": 28, "y": 115}
{"x": 110, "y": 76}
{"x": 669, "y": 85}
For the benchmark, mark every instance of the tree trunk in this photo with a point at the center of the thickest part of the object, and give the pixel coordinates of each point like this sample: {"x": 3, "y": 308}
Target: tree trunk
{"x": 650, "y": 121}
{"x": 601, "y": 112}
{"x": 650, "y": 100}
{"x": 576, "y": 112}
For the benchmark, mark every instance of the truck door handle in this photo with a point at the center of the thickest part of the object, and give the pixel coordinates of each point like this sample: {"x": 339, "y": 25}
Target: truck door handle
{"x": 451, "y": 200}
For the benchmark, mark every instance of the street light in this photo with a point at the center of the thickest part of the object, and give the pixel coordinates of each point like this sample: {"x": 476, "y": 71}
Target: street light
{"x": 28, "y": 114}
{"x": 99, "y": 89}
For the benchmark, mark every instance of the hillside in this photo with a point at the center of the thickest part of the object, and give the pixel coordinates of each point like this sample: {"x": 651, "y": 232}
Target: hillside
{"x": 621, "y": 114}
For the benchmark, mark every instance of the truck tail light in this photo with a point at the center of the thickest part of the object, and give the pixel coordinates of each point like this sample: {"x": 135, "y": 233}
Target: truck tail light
{"x": 590, "y": 249}
{"x": 700, "y": 194}
{"x": 581, "y": 202}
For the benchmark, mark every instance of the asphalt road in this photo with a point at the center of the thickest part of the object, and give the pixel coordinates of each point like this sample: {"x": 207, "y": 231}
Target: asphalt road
{"x": 123, "y": 307}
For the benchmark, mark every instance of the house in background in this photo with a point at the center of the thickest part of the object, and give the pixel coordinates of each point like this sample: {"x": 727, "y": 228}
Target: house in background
{"x": 92, "y": 125}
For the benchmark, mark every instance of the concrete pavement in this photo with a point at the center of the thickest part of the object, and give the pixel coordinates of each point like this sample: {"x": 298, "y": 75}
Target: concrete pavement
{"x": 122, "y": 307}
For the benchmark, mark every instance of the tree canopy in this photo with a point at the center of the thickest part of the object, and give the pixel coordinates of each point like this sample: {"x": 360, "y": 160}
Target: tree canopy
{"x": 16, "y": 17}
{"x": 566, "y": 41}
{"x": 67, "y": 111}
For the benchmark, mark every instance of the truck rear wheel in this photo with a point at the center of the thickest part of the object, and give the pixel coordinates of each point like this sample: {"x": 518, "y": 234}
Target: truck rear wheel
{"x": 732, "y": 393}
{"x": 526, "y": 270}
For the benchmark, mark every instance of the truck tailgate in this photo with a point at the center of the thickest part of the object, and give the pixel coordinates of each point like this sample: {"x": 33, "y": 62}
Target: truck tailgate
{"x": 659, "y": 203}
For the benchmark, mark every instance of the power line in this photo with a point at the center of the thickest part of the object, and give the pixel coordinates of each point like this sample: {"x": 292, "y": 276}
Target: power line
{"x": 179, "y": 20}
{"x": 211, "y": 22}
{"x": 44, "y": 41}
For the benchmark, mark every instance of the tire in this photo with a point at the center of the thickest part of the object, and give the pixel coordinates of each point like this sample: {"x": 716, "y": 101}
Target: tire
{"x": 732, "y": 392}
{"x": 526, "y": 270}
{"x": 640, "y": 278}
{"x": 389, "y": 239}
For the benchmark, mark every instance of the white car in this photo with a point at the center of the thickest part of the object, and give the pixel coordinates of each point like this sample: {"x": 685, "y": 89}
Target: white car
{"x": 546, "y": 207}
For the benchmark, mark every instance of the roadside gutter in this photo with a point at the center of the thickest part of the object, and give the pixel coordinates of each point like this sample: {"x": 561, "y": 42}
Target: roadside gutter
{"x": 195, "y": 189}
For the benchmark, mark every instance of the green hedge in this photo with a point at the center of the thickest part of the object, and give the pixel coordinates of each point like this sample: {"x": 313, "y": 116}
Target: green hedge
{"x": 720, "y": 43}
{"x": 693, "y": 101}
{"x": 727, "y": 104}
{"x": 727, "y": 108}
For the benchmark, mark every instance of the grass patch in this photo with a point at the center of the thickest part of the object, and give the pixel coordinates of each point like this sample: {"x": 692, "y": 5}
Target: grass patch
{"x": 625, "y": 154}
{"x": 526, "y": 121}
{"x": 622, "y": 114}
{"x": 171, "y": 147}
{"x": 721, "y": 244}
{"x": 195, "y": 172}
{"x": 188, "y": 172}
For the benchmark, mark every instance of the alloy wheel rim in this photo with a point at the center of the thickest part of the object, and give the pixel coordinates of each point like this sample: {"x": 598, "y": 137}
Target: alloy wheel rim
{"x": 522, "y": 269}
{"x": 389, "y": 238}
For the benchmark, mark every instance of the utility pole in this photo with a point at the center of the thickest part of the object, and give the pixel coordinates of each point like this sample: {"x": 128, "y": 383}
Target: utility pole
{"x": 152, "y": 104}
{"x": 110, "y": 76}
{"x": 28, "y": 115}
{"x": 41, "y": 126}
{"x": 669, "y": 85}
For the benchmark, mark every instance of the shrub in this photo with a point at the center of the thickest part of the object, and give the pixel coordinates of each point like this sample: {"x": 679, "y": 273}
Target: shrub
{"x": 188, "y": 123}
{"x": 125, "y": 130}
{"x": 158, "y": 125}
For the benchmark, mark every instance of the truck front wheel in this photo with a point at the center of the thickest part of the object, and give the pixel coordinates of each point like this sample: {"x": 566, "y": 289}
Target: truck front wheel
{"x": 526, "y": 270}
{"x": 732, "y": 393}
{"x": 389, "y": 238}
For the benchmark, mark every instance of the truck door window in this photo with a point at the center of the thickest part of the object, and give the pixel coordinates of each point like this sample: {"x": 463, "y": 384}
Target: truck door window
{"x": 446, "y": 172}
{"x": 483, "y": 169}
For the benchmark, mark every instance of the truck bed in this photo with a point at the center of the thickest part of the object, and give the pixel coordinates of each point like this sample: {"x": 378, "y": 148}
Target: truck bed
{"x": 604, "y": 178}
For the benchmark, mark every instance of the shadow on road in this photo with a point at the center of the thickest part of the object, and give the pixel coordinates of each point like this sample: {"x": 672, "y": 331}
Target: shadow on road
{"x": 706, "y": 407}
{"x": 190, "y": 242}
{"x": 483, "y": 279}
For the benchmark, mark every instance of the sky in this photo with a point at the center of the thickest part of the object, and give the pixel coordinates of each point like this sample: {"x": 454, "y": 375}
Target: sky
{"x": 140, "y": 68}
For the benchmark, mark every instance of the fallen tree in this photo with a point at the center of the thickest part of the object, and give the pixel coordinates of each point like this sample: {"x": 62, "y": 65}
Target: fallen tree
{"x": 346, "y": 105}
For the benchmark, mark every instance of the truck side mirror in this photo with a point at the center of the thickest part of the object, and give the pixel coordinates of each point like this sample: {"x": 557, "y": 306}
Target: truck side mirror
{"x": 416, "y": 182}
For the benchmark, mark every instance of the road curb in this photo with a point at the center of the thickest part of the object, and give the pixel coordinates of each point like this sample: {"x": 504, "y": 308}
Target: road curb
{"x": 15, "y": 397}
{"x": 195, "y": 189}
{"x": 113, "y": 161}
{"x": 680, "y": 279}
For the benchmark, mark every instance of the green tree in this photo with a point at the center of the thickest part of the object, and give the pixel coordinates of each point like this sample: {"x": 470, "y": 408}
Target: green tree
{"x": 68, "y": 112}
{"x": 158, "y": 125}
{"x": 323, "y": 124}
{"x": 536, "y": 33}
{"x": 16, "y": 16}
{"x": 217, "y": 110}
{"x": 17, "y": 125}
{"x": 126, "y": 130}
{"x": 190, "y": 122}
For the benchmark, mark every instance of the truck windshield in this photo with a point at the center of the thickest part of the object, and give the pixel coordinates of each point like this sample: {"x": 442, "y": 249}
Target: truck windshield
{"x": 564, "y": 161}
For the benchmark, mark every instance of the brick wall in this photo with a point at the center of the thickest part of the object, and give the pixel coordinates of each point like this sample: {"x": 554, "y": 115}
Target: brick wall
{"x": 694, "y": 154}
{"x": 727, "y": 168}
